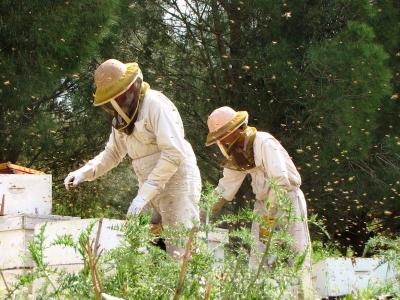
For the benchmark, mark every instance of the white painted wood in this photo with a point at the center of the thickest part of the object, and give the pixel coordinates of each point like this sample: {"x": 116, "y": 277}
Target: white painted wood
{"x": 60, "y": 255}
{"x": 26, "y": 193}
{"x": 70, "y": 268}
{"x": 16, "y": 231}
{"x": 343, "y": 276}
{"x": 214, "y": 239}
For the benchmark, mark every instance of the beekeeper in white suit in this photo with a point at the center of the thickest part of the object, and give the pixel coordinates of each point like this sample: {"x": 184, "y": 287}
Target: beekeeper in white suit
{"x": 147, "y": 126}
{"x": 248, "y": 151}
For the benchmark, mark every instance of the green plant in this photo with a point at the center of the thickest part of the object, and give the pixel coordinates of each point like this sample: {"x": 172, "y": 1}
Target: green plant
{"x": 136, "y": 269}
{"x": 321, "y": 251}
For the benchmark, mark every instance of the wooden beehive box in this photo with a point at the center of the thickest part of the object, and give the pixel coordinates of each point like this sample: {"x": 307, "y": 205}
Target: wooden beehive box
{"x": 337, "y": 277}
{"x": 24, "y": 190}
{"x": 103, "y": 230}
{"x": 16, "y": 231}
{"x": 214, "y": 240}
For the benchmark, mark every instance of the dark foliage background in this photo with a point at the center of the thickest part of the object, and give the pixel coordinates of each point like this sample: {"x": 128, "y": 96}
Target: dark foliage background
{"x": 322, "y": 76}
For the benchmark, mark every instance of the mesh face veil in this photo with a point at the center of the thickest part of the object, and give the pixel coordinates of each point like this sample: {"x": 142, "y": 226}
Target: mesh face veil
{"x": 222, "y": 122}
{"x": 119, "y": 90}
{"x": 121, "y": 111}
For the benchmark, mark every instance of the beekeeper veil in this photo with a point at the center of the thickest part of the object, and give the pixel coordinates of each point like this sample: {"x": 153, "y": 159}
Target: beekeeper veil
{"x": 120, "y": 89}
{"x": 221, "y": 123}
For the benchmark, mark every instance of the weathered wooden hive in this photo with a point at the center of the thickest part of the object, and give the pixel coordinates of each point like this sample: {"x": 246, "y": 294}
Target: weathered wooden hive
{"x": 26, "y": 204}
{"x": 24, "y": 190}
{"x": 336, "y": 277}
{"x": 26, "y": 200}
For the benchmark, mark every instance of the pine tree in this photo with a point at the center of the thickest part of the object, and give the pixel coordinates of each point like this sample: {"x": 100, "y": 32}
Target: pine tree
{"x": 322, "y": 76}
{"x": 43, "y": 46}
{"x": 313, "y": 73}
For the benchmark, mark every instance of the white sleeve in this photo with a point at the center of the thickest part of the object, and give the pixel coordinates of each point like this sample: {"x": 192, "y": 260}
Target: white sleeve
{"x": 167, "y": 126}
{"x": 279, "y": 166}
{"x": 115, "y": 150}
{"x": 230, "y": 183}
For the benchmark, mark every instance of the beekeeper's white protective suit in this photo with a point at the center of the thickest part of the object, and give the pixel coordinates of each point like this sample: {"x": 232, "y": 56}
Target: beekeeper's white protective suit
{"x": 271, "y": 162}
{"x": 259, "y": 154}
{"x": 164, "y": 162}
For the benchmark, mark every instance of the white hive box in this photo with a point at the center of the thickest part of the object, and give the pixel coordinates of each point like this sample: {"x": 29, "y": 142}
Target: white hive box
{"x": 214, "y": 239}
{"x": 24, "y": 191}
{"x": 61, "y": 257}
{"x": 342, "y": 276}
{"x": 16, "y": 231}
{"x": 57, "y": 255}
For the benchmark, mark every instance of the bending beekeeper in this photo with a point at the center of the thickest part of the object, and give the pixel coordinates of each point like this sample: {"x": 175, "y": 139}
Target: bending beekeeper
{"x": 248, "y": 151}
{"x": 147, "y": 126}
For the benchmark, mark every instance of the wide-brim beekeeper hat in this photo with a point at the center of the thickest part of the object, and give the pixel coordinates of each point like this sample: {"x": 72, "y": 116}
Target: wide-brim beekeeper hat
{"x": 118, "y": 91}
{"x": 223, "y": 121}
{"x": 113, "y": 78}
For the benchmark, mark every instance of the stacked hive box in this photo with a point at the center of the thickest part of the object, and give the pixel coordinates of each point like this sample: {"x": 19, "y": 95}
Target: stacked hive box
{"x": 26, "y": 200}
{"x": 103, "y": 232}
{"x": 337, "y": 277}
{"x": 16, "y": 231}
{"x": 26, "y": 204}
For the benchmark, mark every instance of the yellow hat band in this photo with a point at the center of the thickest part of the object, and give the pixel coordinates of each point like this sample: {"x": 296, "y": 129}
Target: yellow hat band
{"x": 118, "y": 87}
{"x": 227, "y": 129}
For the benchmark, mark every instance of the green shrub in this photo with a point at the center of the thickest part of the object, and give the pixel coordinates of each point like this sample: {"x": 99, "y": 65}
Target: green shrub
{"x": 137, "y": 269}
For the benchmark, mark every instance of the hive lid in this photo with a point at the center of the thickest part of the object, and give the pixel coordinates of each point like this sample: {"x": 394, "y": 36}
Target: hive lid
{"x": 9, "y": 168}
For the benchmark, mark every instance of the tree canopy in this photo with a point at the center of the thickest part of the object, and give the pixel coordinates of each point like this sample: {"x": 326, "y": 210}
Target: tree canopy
{"x": 321, "y": 76}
